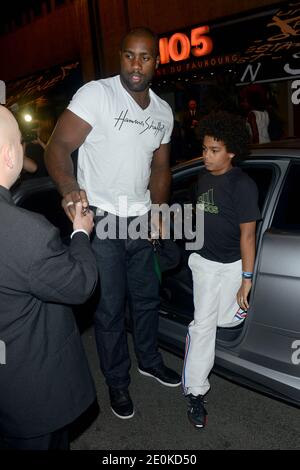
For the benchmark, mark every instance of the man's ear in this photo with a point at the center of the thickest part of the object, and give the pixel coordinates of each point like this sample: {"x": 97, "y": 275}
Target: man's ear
{"x": 157, "y": 62}
{"x": 7, "y": 156}
{"x": 231, "y": 155}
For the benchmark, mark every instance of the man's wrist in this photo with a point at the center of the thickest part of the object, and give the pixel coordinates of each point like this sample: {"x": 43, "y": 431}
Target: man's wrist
{"x": 79, "y": 230}
{"x": 69, "y": 188}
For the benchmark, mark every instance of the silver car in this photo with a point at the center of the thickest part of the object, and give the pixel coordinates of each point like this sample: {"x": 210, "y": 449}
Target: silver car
{"x": 264, "y": 351}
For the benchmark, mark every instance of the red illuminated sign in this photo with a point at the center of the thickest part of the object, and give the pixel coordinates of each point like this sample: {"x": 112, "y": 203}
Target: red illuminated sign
{"x": 179, "y": 46}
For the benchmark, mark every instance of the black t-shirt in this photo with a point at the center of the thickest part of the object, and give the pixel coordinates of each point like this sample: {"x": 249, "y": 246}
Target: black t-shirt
{"x": 229, "y": 200}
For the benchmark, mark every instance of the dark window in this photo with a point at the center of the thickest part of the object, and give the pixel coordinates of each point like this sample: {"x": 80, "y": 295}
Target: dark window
{"x": 48, "y": 203}
{"x": 183, "y": 188}
{"x": 287, "y": 214}
{"x": 263, "y": 176}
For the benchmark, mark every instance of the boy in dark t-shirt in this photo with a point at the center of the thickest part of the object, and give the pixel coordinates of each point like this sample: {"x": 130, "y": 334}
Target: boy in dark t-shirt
{"x": 223, "y": 268}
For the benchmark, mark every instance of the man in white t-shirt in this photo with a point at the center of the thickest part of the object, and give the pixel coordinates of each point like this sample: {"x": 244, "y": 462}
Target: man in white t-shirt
{"x": 122, "y": 129}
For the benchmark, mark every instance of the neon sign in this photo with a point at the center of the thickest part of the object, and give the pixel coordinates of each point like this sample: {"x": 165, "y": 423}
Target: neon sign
{"x": 179, "y": 46}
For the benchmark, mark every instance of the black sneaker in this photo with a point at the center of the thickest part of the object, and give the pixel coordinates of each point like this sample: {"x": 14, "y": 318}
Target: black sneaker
{"x": 163, "y": 374}
{"x": 197, "y": 414}
{"x": 121, "y": 403}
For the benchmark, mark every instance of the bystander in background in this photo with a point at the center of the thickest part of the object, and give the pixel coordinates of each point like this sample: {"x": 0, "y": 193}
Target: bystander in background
{"x": 190, "y": 128}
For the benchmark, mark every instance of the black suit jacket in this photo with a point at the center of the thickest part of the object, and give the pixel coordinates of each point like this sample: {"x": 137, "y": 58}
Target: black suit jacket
{"x": 187, "y": 122}
{"x": 45, "y": 383}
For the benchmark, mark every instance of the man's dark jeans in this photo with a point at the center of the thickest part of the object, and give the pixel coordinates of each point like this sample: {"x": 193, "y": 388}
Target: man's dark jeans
{"x": 126, "y": 269}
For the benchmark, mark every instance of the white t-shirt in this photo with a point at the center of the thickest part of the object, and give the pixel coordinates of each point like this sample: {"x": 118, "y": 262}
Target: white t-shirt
{"x": 115, "y": 160}
{"x": 262, "y": 122}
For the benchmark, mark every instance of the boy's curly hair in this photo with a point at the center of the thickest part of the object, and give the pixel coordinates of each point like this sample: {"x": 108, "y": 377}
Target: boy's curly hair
{"x": 230, "y": 128}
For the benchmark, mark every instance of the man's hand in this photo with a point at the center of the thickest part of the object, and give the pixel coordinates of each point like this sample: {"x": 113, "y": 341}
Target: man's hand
{"x": 242, "y": 295}
{"x": 29, "y": 165}
{"x": 83, "y": 220}
{"x": 158, "y": 229}
{"x": 69, "y": 201}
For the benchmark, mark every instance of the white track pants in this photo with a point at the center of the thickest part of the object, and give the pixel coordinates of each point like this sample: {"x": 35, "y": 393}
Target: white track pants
{"x": 215, "y": 287}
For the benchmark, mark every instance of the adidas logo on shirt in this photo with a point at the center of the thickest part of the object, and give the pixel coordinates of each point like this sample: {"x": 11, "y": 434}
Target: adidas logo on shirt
{"x": 207, "y": 200}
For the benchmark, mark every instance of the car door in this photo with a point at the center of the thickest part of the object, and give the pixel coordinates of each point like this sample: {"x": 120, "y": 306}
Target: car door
{"x": 270, "y": 350}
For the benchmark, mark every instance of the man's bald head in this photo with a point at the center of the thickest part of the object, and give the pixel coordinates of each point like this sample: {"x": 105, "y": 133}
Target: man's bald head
{"x": 142, "y": 32}
{"x": 8, "y": 126}
{"x": 11, "y": 151}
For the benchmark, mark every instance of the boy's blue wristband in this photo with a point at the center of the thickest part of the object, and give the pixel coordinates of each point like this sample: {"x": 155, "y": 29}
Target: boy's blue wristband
{"x": 247, "y": 275}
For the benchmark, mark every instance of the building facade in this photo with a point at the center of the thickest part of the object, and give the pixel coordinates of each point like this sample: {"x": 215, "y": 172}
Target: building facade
{"x": 250, "y": 42}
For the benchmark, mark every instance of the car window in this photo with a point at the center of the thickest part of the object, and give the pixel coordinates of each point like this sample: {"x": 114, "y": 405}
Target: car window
{"x": 263, "y": 175}
{"x": 48, "y": 203}
{"x": 183, "y": 191}
{"x": 287, "y": 214}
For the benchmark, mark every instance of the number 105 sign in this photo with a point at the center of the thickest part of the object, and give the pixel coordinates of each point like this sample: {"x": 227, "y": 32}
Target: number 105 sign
{"x": 179, "y": 46}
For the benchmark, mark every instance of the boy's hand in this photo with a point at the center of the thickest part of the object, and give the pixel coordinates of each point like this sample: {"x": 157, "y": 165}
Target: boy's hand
{"x": 243, "y": 292}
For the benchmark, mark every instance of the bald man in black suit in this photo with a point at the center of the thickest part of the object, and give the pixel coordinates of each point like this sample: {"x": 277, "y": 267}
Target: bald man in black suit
{"x": 45, "y": 382}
